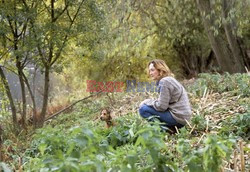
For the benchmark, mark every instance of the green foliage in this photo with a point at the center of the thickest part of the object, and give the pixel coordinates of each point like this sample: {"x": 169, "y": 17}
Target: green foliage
{"x": 129, "y": 146}
{"x": 4, "y": 103}
{"x": 121, "y": 148}
{"x": 199, "y": 121}
{"x": 238, "y": 124}
{"x": 215, "y": 150}
{"x": 59, "y": 150}
{"x": 238, "y": 84}
{"x": 152, "y": 141}
{"x": 193, "y": 159}
{"x": 208, "y": 158}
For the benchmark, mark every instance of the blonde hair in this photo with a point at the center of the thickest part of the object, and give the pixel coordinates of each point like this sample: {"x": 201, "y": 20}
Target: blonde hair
{"x": 161, "y": 66}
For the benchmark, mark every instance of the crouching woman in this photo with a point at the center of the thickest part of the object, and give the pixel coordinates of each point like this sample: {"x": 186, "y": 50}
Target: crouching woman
{"x": 172, "y": 107}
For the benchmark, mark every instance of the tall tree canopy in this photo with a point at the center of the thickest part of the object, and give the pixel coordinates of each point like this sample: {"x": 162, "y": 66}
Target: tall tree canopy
{"x": 115, "y": 40}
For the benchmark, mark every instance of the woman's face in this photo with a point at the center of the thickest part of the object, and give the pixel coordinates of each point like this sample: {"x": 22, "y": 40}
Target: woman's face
{"x": 153, "y": 72}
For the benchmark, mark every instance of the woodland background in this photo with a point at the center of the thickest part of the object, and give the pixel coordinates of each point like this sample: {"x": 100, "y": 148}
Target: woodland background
{"x": 50, "y": 48}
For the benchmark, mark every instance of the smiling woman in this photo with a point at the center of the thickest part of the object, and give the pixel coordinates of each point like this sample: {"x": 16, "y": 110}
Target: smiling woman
{"x": 172, "y": 107}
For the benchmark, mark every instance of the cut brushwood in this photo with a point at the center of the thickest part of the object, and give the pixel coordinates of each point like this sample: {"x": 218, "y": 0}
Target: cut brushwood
{"x": 70, "y": 106}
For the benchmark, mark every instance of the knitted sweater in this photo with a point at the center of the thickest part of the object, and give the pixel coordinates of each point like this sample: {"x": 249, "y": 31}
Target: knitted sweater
{"x": 173, "y": 97}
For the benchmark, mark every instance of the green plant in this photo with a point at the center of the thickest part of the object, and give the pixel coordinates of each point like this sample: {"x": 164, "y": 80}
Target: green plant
{"x": 238, "y": 84}
{"x": 199, "y": 121}
{"x": 208, "y": 158}
{"x": 216, "y": 149}
{"x": 238, "y": 125}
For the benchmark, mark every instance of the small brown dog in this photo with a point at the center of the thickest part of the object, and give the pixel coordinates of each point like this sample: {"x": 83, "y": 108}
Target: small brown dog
{"x": 106, "y": 116}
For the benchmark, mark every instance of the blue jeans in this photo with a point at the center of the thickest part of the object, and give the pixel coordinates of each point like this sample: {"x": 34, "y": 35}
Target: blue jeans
{"x": 165, "y": 117}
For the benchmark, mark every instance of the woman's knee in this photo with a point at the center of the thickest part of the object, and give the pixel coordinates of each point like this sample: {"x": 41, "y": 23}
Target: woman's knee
{"x": 142, "y": 111}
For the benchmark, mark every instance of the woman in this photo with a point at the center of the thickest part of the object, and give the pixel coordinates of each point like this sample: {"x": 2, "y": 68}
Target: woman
{"x": 172, "y": 107}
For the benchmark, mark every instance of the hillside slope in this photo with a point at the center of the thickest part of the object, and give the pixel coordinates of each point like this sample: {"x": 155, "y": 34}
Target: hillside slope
{"x": 216, "y": 139}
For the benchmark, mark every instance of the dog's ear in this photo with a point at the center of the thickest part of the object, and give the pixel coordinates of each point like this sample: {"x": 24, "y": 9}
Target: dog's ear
{"x": 108, "y": 111}
{"x": 109, "y": 117}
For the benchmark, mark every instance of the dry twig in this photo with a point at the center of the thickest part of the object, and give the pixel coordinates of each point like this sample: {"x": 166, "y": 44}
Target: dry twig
{"x": 235, "y": 160}
{"x": 242, "y": 160}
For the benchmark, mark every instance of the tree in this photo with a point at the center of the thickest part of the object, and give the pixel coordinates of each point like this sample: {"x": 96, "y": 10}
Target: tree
{"x": 170, "y": 30}
{"x": 14, "y": 36}
{"x": 12, "y": 105}
{"x": 179, "y": 25}
{"x": 37, "y": 32}
{"x": 224, "y": 40}
{"x": 55, "y": 24}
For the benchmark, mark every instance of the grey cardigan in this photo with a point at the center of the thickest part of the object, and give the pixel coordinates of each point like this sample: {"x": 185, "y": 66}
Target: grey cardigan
{"x": 173, "y": 97}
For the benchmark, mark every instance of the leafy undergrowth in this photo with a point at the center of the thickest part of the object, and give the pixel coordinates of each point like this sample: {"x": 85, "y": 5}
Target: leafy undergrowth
{"x": 214, "y": 139}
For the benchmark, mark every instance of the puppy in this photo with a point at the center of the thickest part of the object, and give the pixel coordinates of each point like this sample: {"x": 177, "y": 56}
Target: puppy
{"x": 106, "y": 116}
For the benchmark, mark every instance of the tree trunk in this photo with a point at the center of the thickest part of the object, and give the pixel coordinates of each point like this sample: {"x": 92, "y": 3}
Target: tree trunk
{"x": 34, "y": 116}
{"x": 11, "y": 101}
{"x": 231, "y": 38}
{"x": 19, "y": 66}
{"x": 45, "y": 97}
{"x": 47, "y": 63}
{"x": 21, "y": 80}
{"x": 192, "y": 64}
{"x": 20, "y": 76}
{"x": 225, "y": 58}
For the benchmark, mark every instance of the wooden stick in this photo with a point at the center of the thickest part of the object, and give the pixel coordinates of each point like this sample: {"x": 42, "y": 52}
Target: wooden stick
{"x": 192, "y": 129}
{"x": 202, "y": 98}
{"x": 207, "y": 125}
{"x": 242, "y": 160}
{"x": 201, "y": 138}
{"x": 235, "y": 160}
{"x": 205, "y": 98}
{"x": 188, "y": 123}
{"x": 204, "y": 93}
{"x": 20, "y": 169}
{"x": 176, "y": 129}
{"x": 246, "y": 69}
{"x": 61, "y": 111}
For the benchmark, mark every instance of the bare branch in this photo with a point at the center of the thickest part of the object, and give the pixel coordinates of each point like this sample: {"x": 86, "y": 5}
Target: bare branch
{"x": 69, "y": 15}
{"x": 3, "y": 54}
{"x": 65, "y": 8}
{"x": 10, "y": 24}
{"x": 144, "y": 37}
{"x": 9, "y": 39}
{"x": 25, "y": 4}
{"x": 47, "y": 8}
{"x": 70, "y": 106}
{"x": 9, "y": 69}
{"x": 66, "y": 36}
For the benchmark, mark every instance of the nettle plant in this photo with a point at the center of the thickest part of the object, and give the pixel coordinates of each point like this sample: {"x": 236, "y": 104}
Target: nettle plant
{"x": 55, "y": 149}
{"x": 209, "y": 157}
{"x": 239, "y": 84}
{"x": 134, "y": 145}
{"x": 237, "y": 125}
